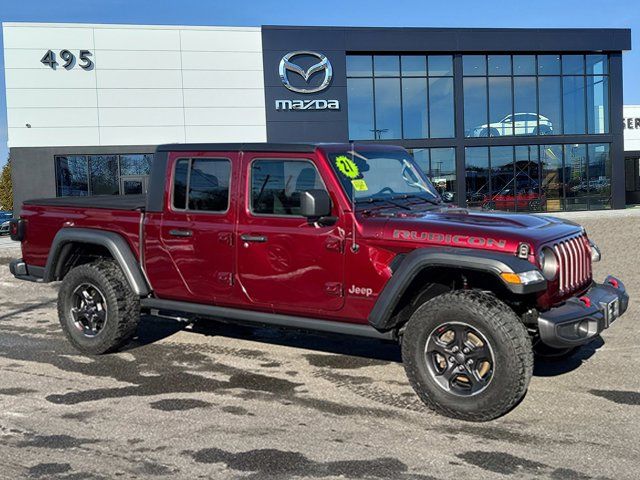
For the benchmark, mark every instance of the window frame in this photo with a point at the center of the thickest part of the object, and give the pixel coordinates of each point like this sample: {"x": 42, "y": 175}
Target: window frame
{"x": 249, "y": 193}
{"x": 173, "y": 182}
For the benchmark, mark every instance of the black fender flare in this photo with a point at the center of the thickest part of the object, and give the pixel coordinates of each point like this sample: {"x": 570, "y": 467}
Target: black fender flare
{"x": 114, "y": 242}
{"x": 494, "y": 263}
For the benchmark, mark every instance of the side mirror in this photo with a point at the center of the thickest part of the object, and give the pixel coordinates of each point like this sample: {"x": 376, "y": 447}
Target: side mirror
{"x": 315, "y": 204}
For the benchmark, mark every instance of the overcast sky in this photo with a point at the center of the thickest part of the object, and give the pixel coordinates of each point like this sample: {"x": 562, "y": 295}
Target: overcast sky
{"x": 400, "y": 13}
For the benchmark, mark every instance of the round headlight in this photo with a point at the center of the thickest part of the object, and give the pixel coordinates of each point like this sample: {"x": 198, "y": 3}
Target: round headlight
{"x": 548, "y": 263}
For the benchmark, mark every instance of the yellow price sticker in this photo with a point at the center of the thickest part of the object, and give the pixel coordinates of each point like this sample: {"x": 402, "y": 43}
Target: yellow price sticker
{"x": 359, "y": 185}
{"x": 347, "y": 166}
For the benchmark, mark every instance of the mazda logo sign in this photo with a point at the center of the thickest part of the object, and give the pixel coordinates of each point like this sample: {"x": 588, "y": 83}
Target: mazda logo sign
{"x": 286, "y": 65}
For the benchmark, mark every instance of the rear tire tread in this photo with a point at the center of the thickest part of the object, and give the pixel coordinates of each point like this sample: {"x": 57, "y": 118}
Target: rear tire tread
{"x": 115, "y": 287}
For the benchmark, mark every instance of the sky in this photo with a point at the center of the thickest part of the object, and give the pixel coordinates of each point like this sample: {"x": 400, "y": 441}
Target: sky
{"x": 379, "y": 13}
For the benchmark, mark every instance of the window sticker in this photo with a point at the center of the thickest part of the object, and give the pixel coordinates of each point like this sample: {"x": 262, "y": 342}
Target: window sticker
{"x": 359, "y": 185}
{"x": 347, "y": 167}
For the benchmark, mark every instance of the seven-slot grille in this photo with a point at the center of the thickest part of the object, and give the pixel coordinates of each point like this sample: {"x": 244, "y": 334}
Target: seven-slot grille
{"x": 574, "y": 262}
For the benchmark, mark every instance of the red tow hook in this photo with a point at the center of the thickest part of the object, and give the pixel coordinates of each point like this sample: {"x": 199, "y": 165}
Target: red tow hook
{"x": 586, "y": 300}
{"x": 613, "y": 282}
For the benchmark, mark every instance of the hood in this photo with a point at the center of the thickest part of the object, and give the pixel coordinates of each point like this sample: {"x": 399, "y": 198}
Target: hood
{"x": 476, "y": 229}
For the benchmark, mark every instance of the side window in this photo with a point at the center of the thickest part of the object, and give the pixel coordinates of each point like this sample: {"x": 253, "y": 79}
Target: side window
{"x": 202, "y": 184}
{"x": 276, "y": 185}
{"x": 180, "y": 184}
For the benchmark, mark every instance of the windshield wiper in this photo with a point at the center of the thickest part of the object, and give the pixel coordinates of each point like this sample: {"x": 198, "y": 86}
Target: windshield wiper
{"x": 381, "y": 199}
{"x": 405, "y": 196}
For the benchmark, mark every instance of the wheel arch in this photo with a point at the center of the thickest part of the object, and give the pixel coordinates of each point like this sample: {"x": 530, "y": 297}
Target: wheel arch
{"x": 428, "y": 272}
{"x": 76, "y": 246}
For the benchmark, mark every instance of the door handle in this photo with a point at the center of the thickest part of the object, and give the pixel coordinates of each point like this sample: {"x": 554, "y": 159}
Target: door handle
{"x": 180, "y": 233}
{"x": 253, "y": 238}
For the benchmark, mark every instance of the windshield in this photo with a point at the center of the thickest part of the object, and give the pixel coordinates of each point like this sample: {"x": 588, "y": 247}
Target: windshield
{"x": 371, "y": 175}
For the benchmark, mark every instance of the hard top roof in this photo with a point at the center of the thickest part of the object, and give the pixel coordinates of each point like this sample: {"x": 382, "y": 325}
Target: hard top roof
{"x": 264, "y": 147}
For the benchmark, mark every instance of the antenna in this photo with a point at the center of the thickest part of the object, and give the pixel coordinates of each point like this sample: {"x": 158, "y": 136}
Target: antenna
{"x": 354, "y": 246}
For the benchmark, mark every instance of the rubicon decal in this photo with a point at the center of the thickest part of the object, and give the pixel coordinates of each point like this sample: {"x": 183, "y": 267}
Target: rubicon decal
{"x": 442, "y": 238}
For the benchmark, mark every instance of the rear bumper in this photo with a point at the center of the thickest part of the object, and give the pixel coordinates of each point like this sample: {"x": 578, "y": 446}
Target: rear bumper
{"x": 580, "y": 319}
{"x": 22, "y": 271}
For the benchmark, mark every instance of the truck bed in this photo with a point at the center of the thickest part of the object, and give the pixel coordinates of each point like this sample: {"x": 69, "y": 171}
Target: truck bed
{"x": 110, "y": 202}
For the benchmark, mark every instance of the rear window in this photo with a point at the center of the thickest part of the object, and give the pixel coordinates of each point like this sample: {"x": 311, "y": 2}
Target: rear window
{"x": 202, "y": 184}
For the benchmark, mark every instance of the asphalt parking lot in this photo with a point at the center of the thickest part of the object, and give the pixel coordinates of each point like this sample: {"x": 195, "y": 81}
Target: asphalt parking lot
{"x": 214, "y": 401}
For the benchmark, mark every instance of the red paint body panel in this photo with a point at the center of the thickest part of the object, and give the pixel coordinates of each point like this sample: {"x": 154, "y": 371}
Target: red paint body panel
{"x": 301, "y": 269}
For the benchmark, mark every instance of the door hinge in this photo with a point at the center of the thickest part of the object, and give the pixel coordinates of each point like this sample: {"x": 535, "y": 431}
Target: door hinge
{"x": 334, "y": 288}
{"x": 225, "y": 278}
{"x": 335, "y": 244}
{"x": 225, "y": 237}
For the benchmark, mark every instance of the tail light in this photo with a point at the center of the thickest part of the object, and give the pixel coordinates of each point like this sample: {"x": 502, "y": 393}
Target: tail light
{"x": 17, "y": 229}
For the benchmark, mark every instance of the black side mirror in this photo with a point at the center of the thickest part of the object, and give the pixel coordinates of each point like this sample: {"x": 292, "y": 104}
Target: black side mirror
{"x": 315, "y": 204}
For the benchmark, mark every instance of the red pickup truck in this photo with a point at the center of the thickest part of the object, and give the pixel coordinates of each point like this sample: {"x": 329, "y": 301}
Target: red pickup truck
{"x": 344, "y": 238}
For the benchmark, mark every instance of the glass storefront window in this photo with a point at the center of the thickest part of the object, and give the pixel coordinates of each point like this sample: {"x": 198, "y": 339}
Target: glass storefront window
{"x": 499, "y": 65}
{"x": 72, "y": 176}
{"x": 387, "y": 109}
{"x": 386, "y": 65}
{"x": 439, "y": 164}
{"x": 477, "y": 175}
{"x": 440, "y": 66}
{"x": 503, "y": 191}
{"x": 443, "y": 172}
{"x": 414, "y": 65}
{"x": 500, "y": 107}
{"x": 548, "y": 64}
{"x": 550, "y": 106}
{"x": 415, "y": 119}
{"x": 598, "y": 104}
{"x": 359, "y": 65}
{"x": 524, "y": 105}
{"x": 360, "y": 104}
{"x": 597, "y": 64}
{"x": 441, "y": 113}
{"x": 573, "y": 105}
{"x": 559, "y": 100}
{"x": 474, "y": 65}
{"x": 572, "y": 65}
{"x": 552, "y": 178}
{"x": 524, "y": 64}
{"x": 527, "y": 179}
{"x": 408, "y": 96}
{"x": 577, "y": 183}
{"x": 599, "y": 176}
{"x": 475, "y": 107}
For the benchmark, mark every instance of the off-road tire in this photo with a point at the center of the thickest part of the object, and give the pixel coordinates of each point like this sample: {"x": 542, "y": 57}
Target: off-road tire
{"x": 123, "y": 307}
{"x": 508, "y": 339}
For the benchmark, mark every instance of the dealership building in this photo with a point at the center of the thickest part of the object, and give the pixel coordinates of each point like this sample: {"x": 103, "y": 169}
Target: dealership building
{"x": 517, "y": 119}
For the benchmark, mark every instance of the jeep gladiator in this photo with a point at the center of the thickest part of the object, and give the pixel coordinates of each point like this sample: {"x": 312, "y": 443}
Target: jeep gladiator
{"x": 344, "y": 238}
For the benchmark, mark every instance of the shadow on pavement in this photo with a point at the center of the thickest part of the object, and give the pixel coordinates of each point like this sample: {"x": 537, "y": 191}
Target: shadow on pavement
{"x": 153, "y": 329}
{"x": 551, "y": 369}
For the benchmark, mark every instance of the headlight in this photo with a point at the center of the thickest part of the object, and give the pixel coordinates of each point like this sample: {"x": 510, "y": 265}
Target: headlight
{"x": 595, "y": 252}
{"x": 548, "y": 263}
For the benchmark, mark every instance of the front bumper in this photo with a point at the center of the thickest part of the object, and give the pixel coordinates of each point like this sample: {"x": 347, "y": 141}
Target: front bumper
{"x": 580, "y": 319}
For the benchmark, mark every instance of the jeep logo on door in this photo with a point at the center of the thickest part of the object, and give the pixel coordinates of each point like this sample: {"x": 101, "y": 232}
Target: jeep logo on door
{"x": 288, "y": 66}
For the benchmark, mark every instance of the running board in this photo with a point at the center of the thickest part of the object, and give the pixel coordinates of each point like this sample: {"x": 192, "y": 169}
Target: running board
{"x": 262, "y": 318}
